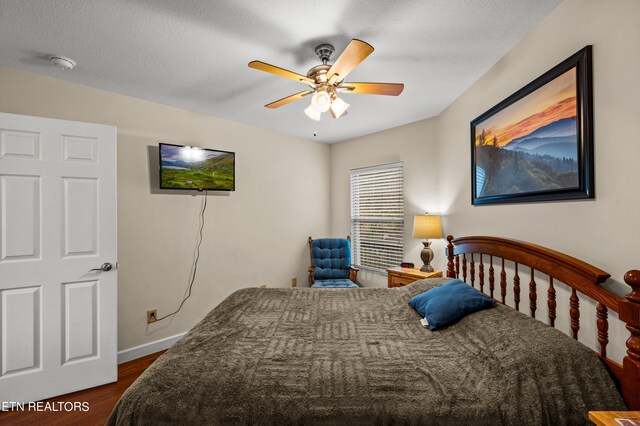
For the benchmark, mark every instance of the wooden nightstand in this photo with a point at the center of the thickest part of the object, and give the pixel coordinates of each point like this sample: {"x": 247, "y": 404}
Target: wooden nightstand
{"x": 402, "y": 276}
{"x": 608, "y": 418}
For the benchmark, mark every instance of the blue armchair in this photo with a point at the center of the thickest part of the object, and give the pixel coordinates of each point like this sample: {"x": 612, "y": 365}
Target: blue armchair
{"x": 331, "y": 263}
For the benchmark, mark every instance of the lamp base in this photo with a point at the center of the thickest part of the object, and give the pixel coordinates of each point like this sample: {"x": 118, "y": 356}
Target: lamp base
{"x": 427, "y": 256}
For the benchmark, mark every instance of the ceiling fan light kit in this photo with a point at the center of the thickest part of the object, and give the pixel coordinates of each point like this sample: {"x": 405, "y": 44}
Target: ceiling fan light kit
{"x": 338, "y": 107}
{"x": 321, "y": 101}
{"x": 326, "y": 81}
{"x": 312, "y": 113}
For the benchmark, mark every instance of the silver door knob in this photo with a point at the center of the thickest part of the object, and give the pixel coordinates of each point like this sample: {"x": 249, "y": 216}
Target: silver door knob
{"x": 106, "y": 267}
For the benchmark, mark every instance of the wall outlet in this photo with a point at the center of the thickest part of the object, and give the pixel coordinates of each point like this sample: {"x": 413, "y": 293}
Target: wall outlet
{"x": 294, "y": 281}
{"x": 152, "y": 315}
{"x": 263, "y": 286}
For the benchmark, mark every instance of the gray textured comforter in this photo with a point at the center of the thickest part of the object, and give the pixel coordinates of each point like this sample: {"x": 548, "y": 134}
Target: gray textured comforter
{"x": 342, "y": 356}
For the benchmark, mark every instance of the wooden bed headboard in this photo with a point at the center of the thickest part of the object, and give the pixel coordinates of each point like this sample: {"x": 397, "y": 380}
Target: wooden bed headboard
{"x": 581, "y": 277}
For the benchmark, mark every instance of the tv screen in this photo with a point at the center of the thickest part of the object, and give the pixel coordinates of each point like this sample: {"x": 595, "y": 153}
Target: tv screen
{"x": 185, "y": 167}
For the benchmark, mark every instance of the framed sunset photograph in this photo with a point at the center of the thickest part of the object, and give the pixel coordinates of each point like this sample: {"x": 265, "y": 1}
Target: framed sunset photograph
{"x": 537, "y": 145}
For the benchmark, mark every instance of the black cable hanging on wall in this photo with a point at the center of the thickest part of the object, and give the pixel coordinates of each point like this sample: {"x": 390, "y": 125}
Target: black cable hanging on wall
{"x": 195, "y": 262}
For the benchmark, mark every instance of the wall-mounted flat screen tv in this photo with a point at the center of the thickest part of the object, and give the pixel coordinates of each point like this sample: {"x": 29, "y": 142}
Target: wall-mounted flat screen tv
{"x": 185, "y": 167}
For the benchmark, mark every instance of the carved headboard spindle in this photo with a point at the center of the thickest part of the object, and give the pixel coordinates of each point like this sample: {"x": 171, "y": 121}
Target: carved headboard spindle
{"x": 481, "y": 274}
{"x": 551, "y": 303}
{"x": 533, "y": 295}
{"x": 491, "y": 276}
{"x": 503, "y": 283}
{"x": 472, "y": 271}
{"x": 516, "y": 288}
{"x": 464, "y": 267}
{"x": 574, "y": 313}
{"x": 603, "y": 328}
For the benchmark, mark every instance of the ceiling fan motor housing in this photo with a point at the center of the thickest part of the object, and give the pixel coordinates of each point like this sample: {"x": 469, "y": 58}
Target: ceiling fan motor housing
{"x": 319, "y": 73}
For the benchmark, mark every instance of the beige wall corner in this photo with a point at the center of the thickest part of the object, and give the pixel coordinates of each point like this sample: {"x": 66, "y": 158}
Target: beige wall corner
{"x": 416, "y": 146}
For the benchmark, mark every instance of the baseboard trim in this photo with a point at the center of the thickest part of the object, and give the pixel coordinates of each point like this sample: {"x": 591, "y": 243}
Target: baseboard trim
{"x": 147, "y": 348}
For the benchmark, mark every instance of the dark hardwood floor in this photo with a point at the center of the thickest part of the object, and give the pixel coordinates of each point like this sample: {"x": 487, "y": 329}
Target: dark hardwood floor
{"x": 101, "y": 400}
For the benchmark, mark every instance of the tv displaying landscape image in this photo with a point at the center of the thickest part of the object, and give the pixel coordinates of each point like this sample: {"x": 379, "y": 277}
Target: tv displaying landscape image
{"x": 184, "y": 167}
{"x": 531, "y": 145}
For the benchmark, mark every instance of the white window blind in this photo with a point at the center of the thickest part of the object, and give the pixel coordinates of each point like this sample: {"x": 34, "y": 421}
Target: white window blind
{"x": 377, "y": 216}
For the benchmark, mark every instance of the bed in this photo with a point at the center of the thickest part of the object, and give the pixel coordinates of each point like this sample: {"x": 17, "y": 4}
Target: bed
{"x": 335, "y": 356}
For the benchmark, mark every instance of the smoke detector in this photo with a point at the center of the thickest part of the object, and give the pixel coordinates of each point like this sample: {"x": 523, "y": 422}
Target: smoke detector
{"x": 62, "y": 62}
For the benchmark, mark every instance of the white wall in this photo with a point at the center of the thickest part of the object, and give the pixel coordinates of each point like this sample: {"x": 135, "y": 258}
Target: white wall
{"x": 416, "y": 146}
{"x": 605, "y": 231}
{"x": 257, "y": 234}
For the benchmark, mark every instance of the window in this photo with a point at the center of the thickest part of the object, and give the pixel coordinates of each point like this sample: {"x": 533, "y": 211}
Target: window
{"x": 377, "y": 216}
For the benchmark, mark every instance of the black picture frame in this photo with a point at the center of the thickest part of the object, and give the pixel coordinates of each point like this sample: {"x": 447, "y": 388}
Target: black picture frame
{"x": 585, "y": 188}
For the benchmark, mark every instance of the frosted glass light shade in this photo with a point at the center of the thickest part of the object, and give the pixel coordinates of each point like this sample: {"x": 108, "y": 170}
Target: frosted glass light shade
{"x": 321, "y": 101}
{"x": 425, "y": 226}
{"x": 312, "y": 113}
{"x": 338, "y": 107}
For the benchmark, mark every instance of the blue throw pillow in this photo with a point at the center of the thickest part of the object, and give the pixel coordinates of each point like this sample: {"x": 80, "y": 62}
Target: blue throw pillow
{"x": 448, "y": 303}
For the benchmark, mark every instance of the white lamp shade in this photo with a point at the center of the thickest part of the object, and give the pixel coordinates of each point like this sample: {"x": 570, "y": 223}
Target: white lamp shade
{"x": 312, "y": 113}
{"x": 338, "y": 107}
{"x": 321, "y": 101}
{"x": 425, "y": 226}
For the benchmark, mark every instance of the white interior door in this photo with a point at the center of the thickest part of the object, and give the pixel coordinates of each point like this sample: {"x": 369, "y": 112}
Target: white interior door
{"x": 58, "y": 325}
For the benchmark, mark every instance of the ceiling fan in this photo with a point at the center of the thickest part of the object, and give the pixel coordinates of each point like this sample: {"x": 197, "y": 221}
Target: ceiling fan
{"x": 327, "y": 81}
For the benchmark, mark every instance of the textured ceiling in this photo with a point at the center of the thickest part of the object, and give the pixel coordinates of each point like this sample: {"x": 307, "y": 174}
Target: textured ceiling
{"x": 194, "y": 54}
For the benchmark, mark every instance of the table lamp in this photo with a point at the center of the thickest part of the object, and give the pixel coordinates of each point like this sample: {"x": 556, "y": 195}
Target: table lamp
{"x": 425, "y": 226}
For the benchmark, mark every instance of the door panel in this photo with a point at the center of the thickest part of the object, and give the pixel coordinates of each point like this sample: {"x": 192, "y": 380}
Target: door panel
{"x": 21, "y": 340}
{"x": 80, "y": 216}
{"x": 57, "y": 222}
{"x": 19, "y": 217}
{"x": 19, "y": 144}
{"x": 83, "y": 150}
{"x": 80, "y": 308}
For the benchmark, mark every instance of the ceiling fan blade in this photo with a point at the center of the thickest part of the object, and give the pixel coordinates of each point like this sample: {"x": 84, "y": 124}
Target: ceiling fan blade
{"x": 356, "y": 52}
{"x": 389, "y": 89}
{"x": 263, "y": 66}
{"x": 288, "y": 99}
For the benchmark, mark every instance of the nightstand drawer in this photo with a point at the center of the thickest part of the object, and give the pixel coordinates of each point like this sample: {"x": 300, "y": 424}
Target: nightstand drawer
{"x": 399, "y": 281}
{"x": 398, "y": 277}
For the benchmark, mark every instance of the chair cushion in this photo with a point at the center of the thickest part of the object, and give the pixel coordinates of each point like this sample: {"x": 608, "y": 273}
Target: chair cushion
{"x": 334, "y": 284}
{"x": 448, "y": 303}
{"x": 331, "y": 258}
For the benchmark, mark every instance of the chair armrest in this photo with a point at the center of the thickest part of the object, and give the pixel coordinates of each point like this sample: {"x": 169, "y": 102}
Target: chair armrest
{"x": 353, "y": 273}
{"x": 311, "y": 279}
